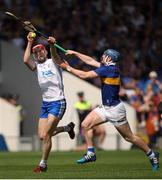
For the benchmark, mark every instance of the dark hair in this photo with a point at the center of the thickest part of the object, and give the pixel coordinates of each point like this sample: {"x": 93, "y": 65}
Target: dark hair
{"x": 13, "y": 96}
{"x": 80, "y": 94}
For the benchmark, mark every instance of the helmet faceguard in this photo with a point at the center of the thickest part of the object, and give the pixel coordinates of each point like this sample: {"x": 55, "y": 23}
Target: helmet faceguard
{"x": 115, "y": 55}
{"x": 36, "y": 50}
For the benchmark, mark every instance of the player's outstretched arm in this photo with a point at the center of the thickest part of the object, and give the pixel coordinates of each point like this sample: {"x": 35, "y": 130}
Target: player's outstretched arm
{"x": 55, "y": 57}
{"x": 81, "y": 74}
{"x": 87, "y": 59}
{"x": 30, "y": 63}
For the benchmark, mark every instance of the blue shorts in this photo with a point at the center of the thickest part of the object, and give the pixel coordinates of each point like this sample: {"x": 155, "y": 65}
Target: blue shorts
{"x": 56, "y": 108}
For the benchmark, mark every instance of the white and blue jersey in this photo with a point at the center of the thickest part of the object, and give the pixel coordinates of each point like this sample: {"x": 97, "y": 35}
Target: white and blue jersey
{"x": 110, "y": 79}
{"x": 51, "y": 85}
{"x": 50, "y": 81}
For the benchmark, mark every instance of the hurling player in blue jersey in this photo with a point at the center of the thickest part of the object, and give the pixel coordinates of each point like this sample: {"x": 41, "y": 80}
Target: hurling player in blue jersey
{"x": 112, "y": 109}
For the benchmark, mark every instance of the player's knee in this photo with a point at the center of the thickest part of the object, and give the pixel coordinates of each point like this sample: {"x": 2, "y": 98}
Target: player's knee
{"x": 84, "y": 125}
{"x": 127, "y": 139}
{"x": 40, "y": 135}
{"x": 44, "y": 136}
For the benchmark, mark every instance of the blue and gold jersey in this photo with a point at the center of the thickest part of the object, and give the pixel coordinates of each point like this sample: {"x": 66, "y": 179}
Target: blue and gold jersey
{"x": 110, "y": 79}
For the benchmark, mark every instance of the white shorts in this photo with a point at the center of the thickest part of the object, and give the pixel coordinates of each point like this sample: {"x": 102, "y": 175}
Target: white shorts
{"x": 114, "y": 114}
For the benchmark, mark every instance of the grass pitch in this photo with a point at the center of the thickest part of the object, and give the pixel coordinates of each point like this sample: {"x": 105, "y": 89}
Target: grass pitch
{"x": 62, "y": 165}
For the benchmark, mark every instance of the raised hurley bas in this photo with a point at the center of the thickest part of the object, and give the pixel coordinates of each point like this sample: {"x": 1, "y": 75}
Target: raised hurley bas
{"x": 29, "y": 27}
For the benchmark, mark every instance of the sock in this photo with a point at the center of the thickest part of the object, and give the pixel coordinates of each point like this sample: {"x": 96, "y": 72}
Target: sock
{"x": 43, "y": 163}
{"x": 67, "y": 128}
{"x": 150, "y": 154}
{"x": 90, "y": 150}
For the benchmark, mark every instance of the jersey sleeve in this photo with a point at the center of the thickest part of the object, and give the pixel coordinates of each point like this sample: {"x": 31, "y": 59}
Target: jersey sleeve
{"x": 107, "y": 71}
{"x": 102, "y": 71}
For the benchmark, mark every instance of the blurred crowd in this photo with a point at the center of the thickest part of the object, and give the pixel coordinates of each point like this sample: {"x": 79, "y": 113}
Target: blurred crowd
{"x": 148, "y": 106}
{"x": 134, "y": 28}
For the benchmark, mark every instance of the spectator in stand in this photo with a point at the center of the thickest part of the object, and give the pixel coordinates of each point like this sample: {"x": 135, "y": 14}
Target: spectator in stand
{"x": 132, "y": 25}
{"x": 83, "y": 107}
{"x": 152, "y": 125}
{"x": 154, "y": 82}
{"x": 160, "y": 114}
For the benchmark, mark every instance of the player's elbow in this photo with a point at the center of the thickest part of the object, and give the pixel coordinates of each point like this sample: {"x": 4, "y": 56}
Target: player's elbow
{"x": 32, "y": 68}
{"x": 83, "y": 76}
{"x": 25, "y": 59}
{"x": 88, "y": 75}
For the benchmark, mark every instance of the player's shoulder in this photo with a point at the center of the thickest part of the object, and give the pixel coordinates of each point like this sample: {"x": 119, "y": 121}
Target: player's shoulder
{"x": 49, "y": 60}
{"x": 109, "y": 67}
{"x": 113, "y": 67}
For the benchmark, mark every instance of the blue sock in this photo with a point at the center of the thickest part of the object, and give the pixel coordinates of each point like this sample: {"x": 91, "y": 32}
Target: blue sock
{"x": 90, "y": 150}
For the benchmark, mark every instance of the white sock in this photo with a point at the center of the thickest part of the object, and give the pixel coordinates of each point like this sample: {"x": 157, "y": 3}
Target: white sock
{"x": 150, "y": 154}
{"x": 43, "y": 163}
{"x": 90, "y": 151}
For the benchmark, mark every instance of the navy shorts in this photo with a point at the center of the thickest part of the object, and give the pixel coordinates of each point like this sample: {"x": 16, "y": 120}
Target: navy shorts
{"x": 56, "y": 108}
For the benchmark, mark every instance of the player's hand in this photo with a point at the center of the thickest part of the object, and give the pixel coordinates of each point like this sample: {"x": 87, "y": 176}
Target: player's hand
{"x": 70, "y": 52}
{"x": 105, "y": 59}
{"x": 51, "y": 40}
{"x": 65, "y": 65}
{"x": 30, "y": 37}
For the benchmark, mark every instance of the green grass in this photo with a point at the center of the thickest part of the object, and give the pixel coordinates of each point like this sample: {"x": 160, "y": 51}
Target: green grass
{"x": 62, "y": 165}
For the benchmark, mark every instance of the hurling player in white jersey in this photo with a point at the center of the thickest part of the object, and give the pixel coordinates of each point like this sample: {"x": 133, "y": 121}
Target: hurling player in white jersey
{"x": 112, "y": 109}
{"x": 54, "y": 103}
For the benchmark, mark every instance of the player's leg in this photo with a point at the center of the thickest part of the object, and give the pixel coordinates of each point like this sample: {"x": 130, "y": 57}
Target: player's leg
{"x": 45, "y": 130}
{"x": 99, "y": 135}
{"x": 41, "y": 127}
{"x": 51, "y": 113}
{"x": 127, "y": 134}
{"x": 49, "y": 128}
{"x": 58, "y": 109}
{"x": 91, "y": 119}
{"x": 69, "y": 128}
